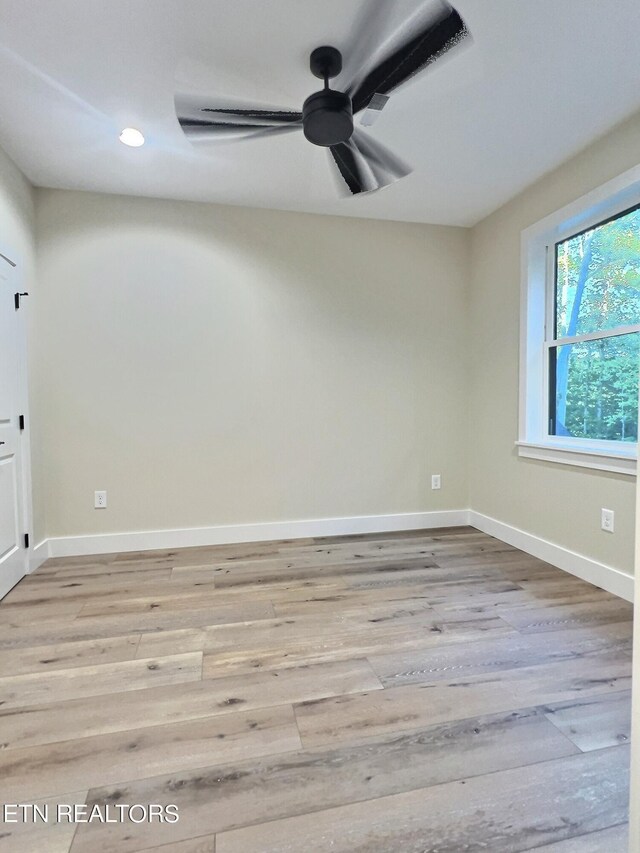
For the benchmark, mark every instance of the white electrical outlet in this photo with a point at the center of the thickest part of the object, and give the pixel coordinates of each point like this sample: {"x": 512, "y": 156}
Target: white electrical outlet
{"x": 436, "y": 481}
{"x": 100, "y": 500}
{"x": 607, "y": 520}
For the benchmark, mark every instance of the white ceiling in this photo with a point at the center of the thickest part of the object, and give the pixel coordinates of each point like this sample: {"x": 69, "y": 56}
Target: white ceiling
{"x": 541, "y": 80}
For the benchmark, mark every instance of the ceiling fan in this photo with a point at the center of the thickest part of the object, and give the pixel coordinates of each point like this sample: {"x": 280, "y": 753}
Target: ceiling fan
{"x": 327, "y": 117}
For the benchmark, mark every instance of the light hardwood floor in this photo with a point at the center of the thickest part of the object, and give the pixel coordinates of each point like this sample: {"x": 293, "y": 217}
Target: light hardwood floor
{"x": 425, "y": 692}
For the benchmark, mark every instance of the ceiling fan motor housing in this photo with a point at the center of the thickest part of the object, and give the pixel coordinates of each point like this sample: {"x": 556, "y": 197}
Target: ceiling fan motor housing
{"x": 327, "y": 117}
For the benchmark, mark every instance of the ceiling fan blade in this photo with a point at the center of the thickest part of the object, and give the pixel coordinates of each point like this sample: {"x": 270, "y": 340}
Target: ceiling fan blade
{"x": 371, "y": 29}
{"x": 202, "y": 122}
{"x": 252, "y": 117}
{"x": 420, "y": 48}
{"x": 387, "y": 166}
{"x": 366, "y": 165}
{"x": 203, "y": 130}
{"x": 352, "y": 167}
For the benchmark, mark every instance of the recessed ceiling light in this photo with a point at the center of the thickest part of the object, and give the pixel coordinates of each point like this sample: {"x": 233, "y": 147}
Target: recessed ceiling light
{"x": 131, "y": 137}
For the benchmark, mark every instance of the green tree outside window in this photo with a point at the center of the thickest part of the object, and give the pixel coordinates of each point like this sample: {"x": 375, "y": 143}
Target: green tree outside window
{"x": 594, "y": 382}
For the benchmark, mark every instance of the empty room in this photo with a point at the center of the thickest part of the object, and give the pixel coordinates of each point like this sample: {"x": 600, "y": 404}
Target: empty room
{"x": 319, "y": 359}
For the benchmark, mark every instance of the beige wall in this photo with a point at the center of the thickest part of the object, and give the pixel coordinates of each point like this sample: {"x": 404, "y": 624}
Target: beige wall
{"x": 217, "y": 365}
{"x": 553, "y": 501}
{"x": 17, "y": 242}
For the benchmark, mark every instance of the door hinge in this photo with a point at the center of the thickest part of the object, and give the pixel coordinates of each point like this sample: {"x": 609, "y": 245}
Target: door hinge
{"x": 16, "y": 299}
{"x": 21, "y": 422}
{"x": 26, "y": 540}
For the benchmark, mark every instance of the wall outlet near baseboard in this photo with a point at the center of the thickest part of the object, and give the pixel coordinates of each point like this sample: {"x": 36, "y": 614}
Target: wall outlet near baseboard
{"x": 436, "y": 481}
{"x": 100, "y": 500}
{"x": 607, "y": 520}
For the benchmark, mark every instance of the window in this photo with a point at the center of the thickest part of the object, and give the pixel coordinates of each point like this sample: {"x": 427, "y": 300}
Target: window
{"x": 580, "y": 348}
{"x": 594, "y": 356}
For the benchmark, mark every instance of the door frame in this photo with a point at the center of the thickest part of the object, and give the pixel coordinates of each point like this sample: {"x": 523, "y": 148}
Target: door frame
{"x": 634, "y": 799}
{"x": 634, "y": 809}
{"x": 21, "y": 284}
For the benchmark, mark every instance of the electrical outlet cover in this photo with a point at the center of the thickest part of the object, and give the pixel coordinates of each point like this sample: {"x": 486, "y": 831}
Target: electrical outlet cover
{"x": 607, "y": 521}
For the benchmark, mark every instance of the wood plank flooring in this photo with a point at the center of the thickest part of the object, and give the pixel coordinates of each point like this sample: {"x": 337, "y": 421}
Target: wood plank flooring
{"x": 425, "y": 692}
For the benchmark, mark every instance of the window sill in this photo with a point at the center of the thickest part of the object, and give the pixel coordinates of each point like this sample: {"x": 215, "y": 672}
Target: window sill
{"x": 600, "y": 460}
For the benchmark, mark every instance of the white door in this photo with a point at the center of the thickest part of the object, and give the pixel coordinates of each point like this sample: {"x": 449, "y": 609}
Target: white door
{"x": 13, "y": 552}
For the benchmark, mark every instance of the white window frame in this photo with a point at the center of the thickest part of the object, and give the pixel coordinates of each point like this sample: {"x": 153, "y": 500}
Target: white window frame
{"x": 536, "y": 317}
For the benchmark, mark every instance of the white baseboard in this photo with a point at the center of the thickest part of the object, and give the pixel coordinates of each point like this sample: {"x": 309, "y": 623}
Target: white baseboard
{"x": 613, "y": 580}
{"x": 110, "y": 543}
{"x": 39, "y": 554}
